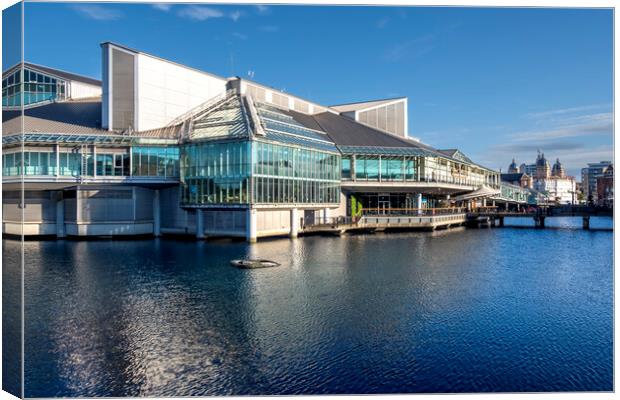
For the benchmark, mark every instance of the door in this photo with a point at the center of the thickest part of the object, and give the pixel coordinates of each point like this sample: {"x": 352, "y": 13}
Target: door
{"x": 384, "y": 205}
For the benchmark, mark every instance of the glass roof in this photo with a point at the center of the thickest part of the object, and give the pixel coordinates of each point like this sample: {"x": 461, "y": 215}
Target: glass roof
{"x": 226, "y": 121}
{"x": 300, "y": 141}
{"x": 375, "y": 150}
{"x": 283, "y": 128}
{"x": 79, "y": 138}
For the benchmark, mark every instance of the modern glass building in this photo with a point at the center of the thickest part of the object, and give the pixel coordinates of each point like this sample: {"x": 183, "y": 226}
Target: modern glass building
{"x": 219, "y": 157}
{"x": 40, "y": 84}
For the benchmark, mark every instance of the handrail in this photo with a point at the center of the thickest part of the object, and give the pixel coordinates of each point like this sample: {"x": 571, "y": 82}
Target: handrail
{"x": 414, "y": 211}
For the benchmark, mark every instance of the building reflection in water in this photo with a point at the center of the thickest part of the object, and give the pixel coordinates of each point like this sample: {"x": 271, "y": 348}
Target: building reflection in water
{"x": 406, "y": 312}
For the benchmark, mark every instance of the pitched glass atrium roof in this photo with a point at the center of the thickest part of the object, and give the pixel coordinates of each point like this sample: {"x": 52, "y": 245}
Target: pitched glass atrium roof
{"x": 281, "y": 127}
{"x": 227, "y": 120}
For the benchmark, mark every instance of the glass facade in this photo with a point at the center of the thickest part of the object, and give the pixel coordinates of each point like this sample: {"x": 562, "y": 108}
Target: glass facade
{"x": 219, "y": 173}
{"x": 147, "y": 161}
{"x": 34, "y": 163}
{"x": 284, "y": 174}
{"x": 215, "y": 173}
{"x": 346, "y": 168}
{"x": 514, "y": 193}
{"x": 112, "y": 164}
{"x": 37, "y": 87}
{"x": 150, "y": 161}
{"x": 387, "y": 168}
{"x": 70, "y": 164}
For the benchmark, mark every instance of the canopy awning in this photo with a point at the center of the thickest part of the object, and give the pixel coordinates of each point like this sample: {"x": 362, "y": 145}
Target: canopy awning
{"x": 482, "y": 191}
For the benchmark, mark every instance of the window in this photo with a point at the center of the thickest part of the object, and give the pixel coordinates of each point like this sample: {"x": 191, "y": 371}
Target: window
{"x": 37, "y": 87}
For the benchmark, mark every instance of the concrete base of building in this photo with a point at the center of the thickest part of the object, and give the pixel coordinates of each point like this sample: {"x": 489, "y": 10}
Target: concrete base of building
{"x": 29, "y": 228}
{"x": 108, "y": 229}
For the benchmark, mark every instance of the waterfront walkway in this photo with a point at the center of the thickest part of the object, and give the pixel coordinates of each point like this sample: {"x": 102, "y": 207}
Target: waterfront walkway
{"x": 431, "y": 219}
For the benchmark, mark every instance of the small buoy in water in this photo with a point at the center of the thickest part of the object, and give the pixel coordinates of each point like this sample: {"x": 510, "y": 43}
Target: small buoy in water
{"x": 255, "y": 263}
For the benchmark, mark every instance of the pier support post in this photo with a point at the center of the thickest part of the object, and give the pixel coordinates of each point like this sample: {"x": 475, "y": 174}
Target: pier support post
{"x": 250, "y": 230}
{"x": 294, "y": 223}
{"x": 200, "y": 228}
{"x": 156, "y": 214}
{"x": 586, "y": 222}
{"x": 60, "y": 218}
{"x": 501, "y": 221}
{"x": 539, "y": 221}
{"x": 418, "y": 202}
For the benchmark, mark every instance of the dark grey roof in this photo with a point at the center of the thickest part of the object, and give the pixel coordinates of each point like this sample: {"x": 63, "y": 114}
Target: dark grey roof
{"x": 347, "y": 132}
{"x": 76, "y": 116}
{"x": 512, "y": 177}
{"x": 456, "y": 154}
{"x": 58, "y": 73}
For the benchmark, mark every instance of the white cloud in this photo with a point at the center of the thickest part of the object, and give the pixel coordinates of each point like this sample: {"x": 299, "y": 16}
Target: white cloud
{"x": 200, "y": 13}
{"x": 203, "y": 13}
{"x": 263, "y": 9}
{"x": 97, "y": 12}
{"x": 583, "y": 125}
{"x": 564, "y": 111}
{"x": 162, "y": 6}
{"x": 235, "y": 15}
{"x": 418, "y": 46}
{"x": 572, "y": 157}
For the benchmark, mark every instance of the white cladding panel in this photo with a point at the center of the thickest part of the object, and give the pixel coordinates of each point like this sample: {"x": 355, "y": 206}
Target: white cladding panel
{"x": 166, "y": 90}
{"x": 81, "y": 90}
{"x": 390, "y": 117}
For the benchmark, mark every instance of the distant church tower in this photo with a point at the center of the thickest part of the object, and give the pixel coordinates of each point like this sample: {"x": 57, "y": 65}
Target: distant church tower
{"x": 543, "y": 169}
{"x": 558, "y": 169}
{"x": 512, "y": 168}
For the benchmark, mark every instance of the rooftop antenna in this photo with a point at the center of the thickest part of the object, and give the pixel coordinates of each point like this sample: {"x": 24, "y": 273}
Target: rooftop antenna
{"x": 232, "y": 64}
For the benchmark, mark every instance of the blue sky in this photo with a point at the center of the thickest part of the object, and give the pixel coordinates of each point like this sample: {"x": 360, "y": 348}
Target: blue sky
{"x": 495, "y": 83}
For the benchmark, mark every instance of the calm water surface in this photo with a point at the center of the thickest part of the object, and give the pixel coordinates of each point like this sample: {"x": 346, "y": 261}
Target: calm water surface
{"x": 461, "y": 311}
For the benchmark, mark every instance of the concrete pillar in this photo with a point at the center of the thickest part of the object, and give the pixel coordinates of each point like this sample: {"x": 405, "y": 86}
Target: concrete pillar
{"x": 251, "y": 228}
{"x": 200, "y": 228}
{"x": 294, "y": 223}
{"x": 60, "y": 219}
{"x": 156, "y": 214}
{"x": 586, "y": 222}
{"x": 484, "y": 202}
{"x": 94, "y": 161}
{"x": 57, "y": 152}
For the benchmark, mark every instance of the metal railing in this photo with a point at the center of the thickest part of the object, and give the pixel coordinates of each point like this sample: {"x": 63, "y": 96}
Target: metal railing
{"x": 328, "y": 221}
{"x": 411, "y": 220}
{"x": 413, "y": 211}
